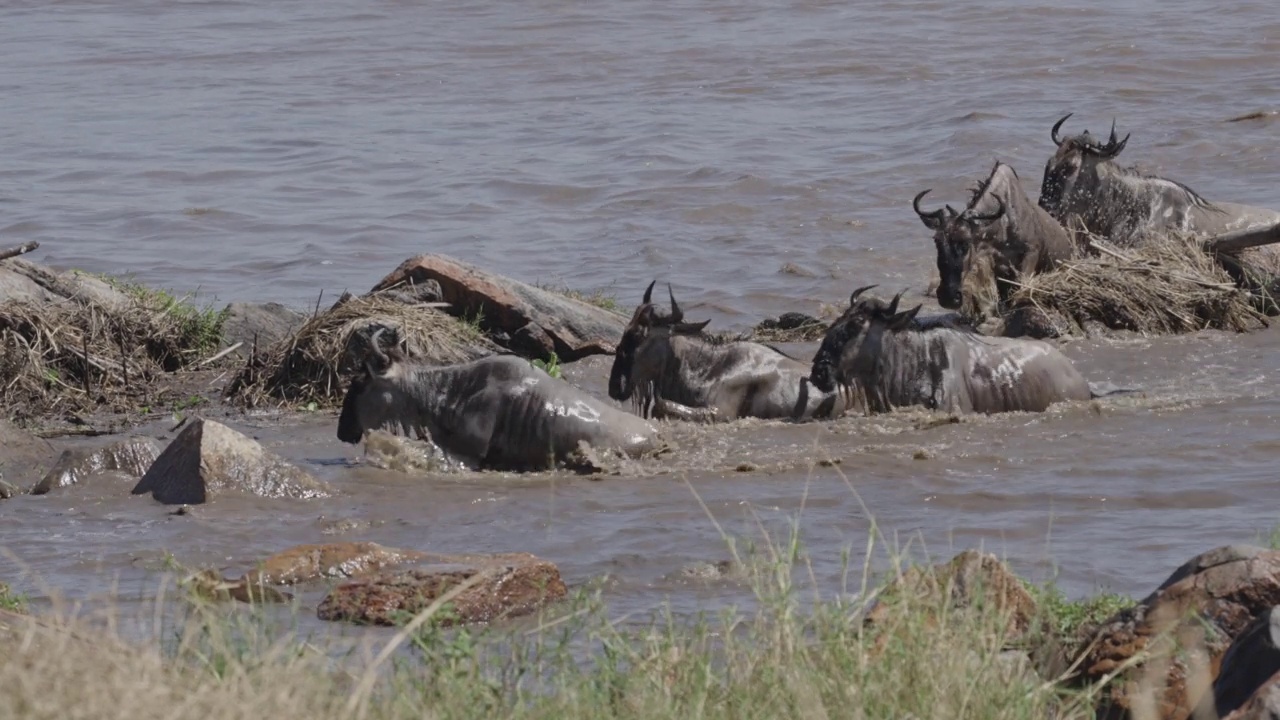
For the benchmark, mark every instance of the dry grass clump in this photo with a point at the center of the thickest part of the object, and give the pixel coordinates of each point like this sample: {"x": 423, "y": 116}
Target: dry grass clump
{"x": 1168, "y": 285}
{"x": 305, "y": 368}
{"x": 81, "y": 353}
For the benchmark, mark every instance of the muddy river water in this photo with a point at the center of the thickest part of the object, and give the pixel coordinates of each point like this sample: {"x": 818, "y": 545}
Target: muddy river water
{"x": 759, "y": 156}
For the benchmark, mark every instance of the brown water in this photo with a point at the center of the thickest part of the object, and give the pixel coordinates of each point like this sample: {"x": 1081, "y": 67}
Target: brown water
{"x": 267, "y": 151}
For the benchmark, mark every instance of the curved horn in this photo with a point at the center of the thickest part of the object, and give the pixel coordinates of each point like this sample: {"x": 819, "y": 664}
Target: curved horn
{"x": 1113, "y": 148}
{"x": 1056, "y": 126}
{"x": 893, "y": 306}
{"x": 1000, "y": 208}
{"x": 915, "y": 203}
{"x": 854, "y": 297}
{"x": 676, "y": 313}
{"x": 648, "y": 292}
{"x": 376, "y": 348}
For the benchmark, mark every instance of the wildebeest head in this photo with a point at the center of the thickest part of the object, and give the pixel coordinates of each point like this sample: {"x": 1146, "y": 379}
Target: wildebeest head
{"x": 361, "y": 409}
{"x": 857, "y": 330}
{"x": 1071, "y": 174}
{"x": 954, "y": 236}
{"x": 645, "y": 323}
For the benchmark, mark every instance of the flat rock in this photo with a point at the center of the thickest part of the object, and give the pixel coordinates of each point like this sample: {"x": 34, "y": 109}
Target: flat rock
{"x": 22, "y": 455}
{"x": 1187, "y": 624}
{"x": 538, "y": 321}
{"x": 208, "y": 458}
{"x": 34, "y": 283}
{"x": 306, "y": 563}
{"x": 506, "y": 585}
{"x": 130, "y": 456}
{"x": 269, "y": 323}
{"x": 1249, "y": 663}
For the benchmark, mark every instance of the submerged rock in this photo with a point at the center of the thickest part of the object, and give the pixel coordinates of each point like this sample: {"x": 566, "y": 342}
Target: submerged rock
{"x": 131, "y": 456}
{"x": 506, "y": 585}
{"x": 22, "y": 455}
{"x": 1187, "y": 625}
{"x": 538, "y": 321}
{"x": 305, "y": 563}
{"x": 1249, "y": 663}
{"x": 208, "y": 458}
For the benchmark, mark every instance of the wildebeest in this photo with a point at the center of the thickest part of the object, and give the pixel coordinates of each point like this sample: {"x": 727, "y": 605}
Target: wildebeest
{"x": 1021, "y": 236}
{"x": 670, "y": 368}
{"x": 499, "y": 412}
{"x": 1083, "y": 184}
{"x": 891, "y": 359}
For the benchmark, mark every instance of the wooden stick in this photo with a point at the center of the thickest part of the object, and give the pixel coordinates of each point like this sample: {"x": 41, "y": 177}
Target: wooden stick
{"x": 1241, "y": 239}
{"x": 219, "y": 356}
{"x": 15, "y": 251}
{"x": 85, "y": 349}
{"x": 124, "y": 359}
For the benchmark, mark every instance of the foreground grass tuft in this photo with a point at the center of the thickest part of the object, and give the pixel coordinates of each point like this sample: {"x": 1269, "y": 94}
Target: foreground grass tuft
{"x": 11, "y": 601}
{"x": 795, "y": 653}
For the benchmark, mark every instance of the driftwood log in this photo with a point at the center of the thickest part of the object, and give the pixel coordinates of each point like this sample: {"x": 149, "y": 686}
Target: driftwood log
{"x": 21, "y": 249}
{"x": 1243, "y": 239}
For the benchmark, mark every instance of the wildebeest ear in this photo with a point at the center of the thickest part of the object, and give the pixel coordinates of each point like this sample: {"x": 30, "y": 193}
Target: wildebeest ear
{"x": 904, "y": 318}
{"x": 691, "y": 328}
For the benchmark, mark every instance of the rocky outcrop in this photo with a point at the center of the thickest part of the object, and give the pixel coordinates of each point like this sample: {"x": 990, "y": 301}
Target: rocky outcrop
{"x": 306, "y": 563}
{"x": 971, "y": 579}
{"x": 29, "y": 282}
{"x": 259, "y": 325}
{"x": 501, "y": 586}
{"x": 130, "y": 456}
{"x": 1182, "y": 630}
{"x": 208, "y": 459}
{"x": 535, "y": 322}
{"x": 22, "y": 455}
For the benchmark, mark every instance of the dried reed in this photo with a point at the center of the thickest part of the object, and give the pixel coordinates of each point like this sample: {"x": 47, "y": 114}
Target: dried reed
{"x": 307, "y": 366}
{"x": 1166, "y": 286}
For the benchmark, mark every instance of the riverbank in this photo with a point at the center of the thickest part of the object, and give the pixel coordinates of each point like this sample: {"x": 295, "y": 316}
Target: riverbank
{"x": 965, "y": 638}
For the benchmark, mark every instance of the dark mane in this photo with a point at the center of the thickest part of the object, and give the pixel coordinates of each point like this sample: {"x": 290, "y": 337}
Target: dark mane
{"x": 981, "y": 187}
